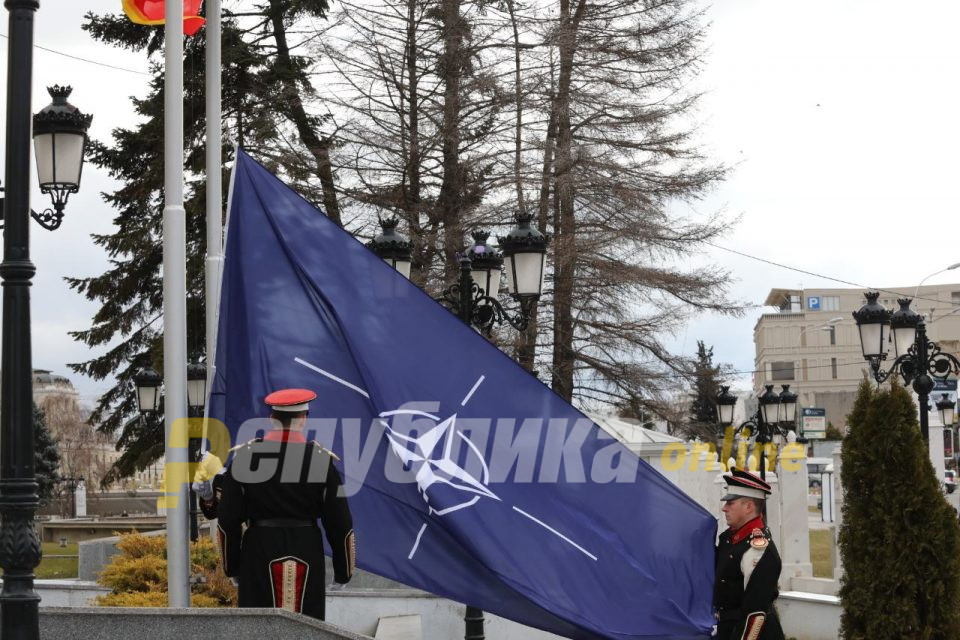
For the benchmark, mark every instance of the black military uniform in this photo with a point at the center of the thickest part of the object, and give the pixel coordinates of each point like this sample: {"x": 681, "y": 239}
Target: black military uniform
{"x": 277, "y": 488}
{"x": 748, "y": 568}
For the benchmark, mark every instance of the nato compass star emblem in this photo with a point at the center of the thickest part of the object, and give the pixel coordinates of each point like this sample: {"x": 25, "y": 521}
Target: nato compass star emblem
{"x": 437, "y": 473}
{"x": 432, "y": 454}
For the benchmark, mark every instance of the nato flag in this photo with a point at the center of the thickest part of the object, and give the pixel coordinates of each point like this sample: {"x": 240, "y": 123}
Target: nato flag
{"x": 466, "y": 476}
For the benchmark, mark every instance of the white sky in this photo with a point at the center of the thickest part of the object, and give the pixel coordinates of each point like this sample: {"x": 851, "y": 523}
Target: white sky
{"x": 839, "y": 116}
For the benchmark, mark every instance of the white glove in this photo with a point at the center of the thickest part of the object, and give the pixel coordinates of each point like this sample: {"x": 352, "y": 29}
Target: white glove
{"x": 204, "y": 489}
{"x": 336, "y": 586}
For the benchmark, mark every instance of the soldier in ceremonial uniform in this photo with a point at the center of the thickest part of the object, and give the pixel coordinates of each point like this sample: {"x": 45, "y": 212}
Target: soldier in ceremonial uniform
{"x": 273, "y": 493}
{"x": 748, "y": 564}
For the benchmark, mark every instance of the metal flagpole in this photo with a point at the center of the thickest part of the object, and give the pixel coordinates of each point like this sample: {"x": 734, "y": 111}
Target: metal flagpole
{"x": 214, "y": 203}
{"x": 175, "y": 307}
{"x": 214, "y": 188}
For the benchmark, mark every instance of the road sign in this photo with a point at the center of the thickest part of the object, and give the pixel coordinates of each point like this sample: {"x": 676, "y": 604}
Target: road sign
{"x": 814, "y": 423}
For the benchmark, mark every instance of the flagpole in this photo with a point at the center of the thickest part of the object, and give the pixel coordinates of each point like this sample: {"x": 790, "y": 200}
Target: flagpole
{"x": 214, "y": 188}
{"x": 174, "y": 307}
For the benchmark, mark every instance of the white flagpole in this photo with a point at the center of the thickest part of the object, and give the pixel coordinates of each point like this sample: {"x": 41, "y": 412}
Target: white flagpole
{"x": 214, "y": 263}
{"x": 175, "y": 306}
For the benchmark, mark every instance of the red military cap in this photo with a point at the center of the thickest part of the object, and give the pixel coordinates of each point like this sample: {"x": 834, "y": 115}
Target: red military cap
{"x": 293, "y": 400}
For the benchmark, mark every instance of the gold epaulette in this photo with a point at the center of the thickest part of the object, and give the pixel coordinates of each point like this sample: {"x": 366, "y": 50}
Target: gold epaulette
{"x": 325, "y": 450}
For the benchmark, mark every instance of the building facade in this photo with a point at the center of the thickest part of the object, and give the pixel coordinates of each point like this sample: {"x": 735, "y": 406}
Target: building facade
{"x": 810, "y": 340}
{"x": 84, "y": 452}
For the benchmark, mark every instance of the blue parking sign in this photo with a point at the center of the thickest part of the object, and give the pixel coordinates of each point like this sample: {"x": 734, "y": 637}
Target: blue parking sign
{"x": 813, "y": 303}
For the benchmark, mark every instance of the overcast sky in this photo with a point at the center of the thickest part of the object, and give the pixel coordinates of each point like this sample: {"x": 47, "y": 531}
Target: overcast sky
{"x": 840, "y": 118}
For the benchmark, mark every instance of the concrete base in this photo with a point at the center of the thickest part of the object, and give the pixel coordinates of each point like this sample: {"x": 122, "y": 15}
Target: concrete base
{"x": 820, "y": 586}
{"x": 399, "y": 628}
{"x": 67, "y": 593}
{"x": 809, "y": 616}
{"x": 361, "y": 611}
{"x": 176, "y": 624}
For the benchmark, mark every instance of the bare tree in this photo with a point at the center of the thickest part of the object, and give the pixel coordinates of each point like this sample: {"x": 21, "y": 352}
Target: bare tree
{"x": 625, "y": 156}
{"x": 84, "y": 452}
{"x": 458, "y": 113}
{"x": 419, "y": 104}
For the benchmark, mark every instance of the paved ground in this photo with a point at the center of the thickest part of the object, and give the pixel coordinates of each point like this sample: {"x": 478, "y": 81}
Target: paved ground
{"x": 816, "y": 523}
{"x": 954, "y": 499}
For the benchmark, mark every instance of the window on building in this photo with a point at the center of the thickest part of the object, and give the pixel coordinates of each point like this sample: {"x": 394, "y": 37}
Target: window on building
{"x": 833, "y": 335}
{"x": 955, "y": 298}
{"x": 781, "y": 370}
{"x": 833, "y": 367}
{"x": 830, "y": 303}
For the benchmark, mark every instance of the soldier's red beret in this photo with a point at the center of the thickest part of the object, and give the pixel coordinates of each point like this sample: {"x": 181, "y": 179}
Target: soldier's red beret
{"x": 290, "y": 399}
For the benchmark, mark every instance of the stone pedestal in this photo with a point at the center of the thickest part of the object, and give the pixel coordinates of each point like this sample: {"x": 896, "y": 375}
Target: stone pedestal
{"x": 837, "y": 514}
{"x": 794, "y": 540}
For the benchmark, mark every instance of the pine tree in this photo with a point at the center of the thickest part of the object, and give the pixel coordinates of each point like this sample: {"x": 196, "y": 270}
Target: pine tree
{"x": 130, "y": 291}
{"x": 899, "y": 541}
{"x": 46, "y": 456}
{"x": 702, "y": 419}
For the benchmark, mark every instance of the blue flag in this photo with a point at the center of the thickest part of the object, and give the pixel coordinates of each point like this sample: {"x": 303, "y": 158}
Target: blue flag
{"x": 466, "y": 476}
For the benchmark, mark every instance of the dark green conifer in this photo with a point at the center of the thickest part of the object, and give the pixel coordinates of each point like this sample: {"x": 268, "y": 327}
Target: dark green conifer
{"x": 46, "y": 456}
{"x": 900, "y": 541}
{"x": 130, "y": 291}
{"x": 703, "y": 405}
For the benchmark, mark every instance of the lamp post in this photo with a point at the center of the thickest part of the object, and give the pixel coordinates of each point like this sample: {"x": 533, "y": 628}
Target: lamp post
{"x": 392, "y": 246}
{"x": 149, "y": 391}
{"x": 196, "y": 399}
{"x": 776, "y": 415}
{"x": 473, "y": 298}
{"x": 19, "y": 546}
{"x": 60, "y": 141}
{"x": 946, "y": 406}
{"x": 918, "y": 361}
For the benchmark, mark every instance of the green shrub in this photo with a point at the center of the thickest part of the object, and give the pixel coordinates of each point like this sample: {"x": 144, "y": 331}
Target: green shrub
{"x": 138, "y": 574}
{"x": 900, "y": 541}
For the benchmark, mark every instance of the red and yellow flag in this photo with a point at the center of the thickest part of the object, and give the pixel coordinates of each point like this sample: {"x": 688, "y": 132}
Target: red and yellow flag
{"x": 152, "y": 12}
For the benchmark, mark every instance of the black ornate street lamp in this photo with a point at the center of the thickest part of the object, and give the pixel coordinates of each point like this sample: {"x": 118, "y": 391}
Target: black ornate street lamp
{"x": 149, "y": 391}
{"x": 776, "y": 415}
{"x": 946, "y": 408}
{"x": 525, "y": 257}
{"x": 19, "y": 545}
{"x": 918, "y": 361}
{"x": 60, "y": 142}
{"x": 473, "y": 298}
{"x": 726, "y": 403}
{"x": 392, "y": 246}
{"x": 148, "y": 384}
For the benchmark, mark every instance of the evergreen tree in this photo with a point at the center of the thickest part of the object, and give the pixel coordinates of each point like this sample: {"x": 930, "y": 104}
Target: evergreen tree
{"x": 130, "y": 291}
{"x": 46, "y": 456}
{"x": 702, "y": 418}
{"x": 833, "y": 433}
{"x": 900, "y": 542}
